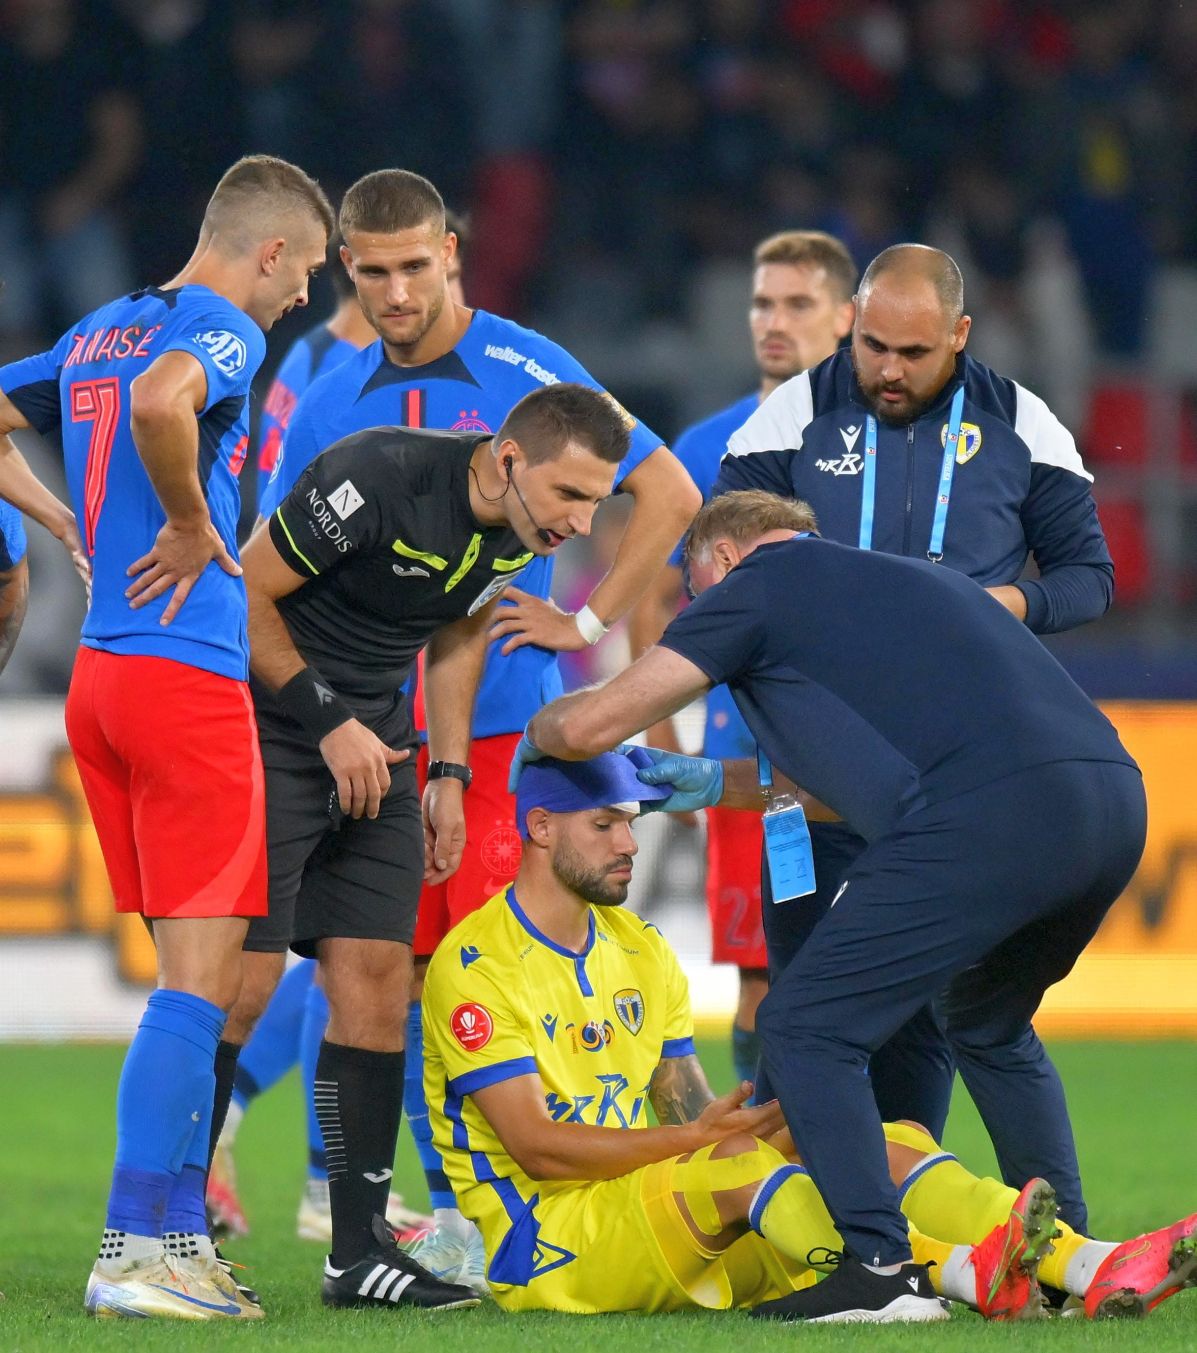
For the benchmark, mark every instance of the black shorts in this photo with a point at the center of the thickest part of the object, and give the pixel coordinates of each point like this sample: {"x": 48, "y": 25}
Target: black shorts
{"x": 333, "y": 876}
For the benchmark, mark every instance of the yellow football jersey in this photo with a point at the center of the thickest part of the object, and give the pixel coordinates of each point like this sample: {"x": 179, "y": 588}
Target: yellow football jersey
{"x": 502, "y": 1000}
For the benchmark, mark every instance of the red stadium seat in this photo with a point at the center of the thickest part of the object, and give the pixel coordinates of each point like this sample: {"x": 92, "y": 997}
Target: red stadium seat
{"x": 1126, "y": 534}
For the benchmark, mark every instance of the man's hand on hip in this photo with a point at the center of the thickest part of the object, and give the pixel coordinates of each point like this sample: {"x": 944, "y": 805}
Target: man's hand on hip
{"x": 181, "y": 552}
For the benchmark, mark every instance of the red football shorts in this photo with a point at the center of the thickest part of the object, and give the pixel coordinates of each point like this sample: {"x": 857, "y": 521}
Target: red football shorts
{"x": 734, "y": 842}
{"x": 493, "y": 846}
{"x": 168, "y": 755}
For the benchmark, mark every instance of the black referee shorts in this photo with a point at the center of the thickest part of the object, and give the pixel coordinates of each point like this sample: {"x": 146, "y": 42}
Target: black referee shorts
{"x": 334, "y": 877}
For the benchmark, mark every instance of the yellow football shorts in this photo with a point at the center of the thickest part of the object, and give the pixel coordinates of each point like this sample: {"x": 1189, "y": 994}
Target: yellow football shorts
{"x": 635, "y": 1252}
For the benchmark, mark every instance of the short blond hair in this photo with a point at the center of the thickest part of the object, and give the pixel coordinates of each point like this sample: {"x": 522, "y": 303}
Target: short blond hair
{"x": 814, "y": 249}
{"x": 258, "y": 196}
{"x": 744, "y": 515}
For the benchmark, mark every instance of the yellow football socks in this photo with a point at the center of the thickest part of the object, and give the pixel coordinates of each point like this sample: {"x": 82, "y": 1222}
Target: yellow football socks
{"x": 792, "y": 1217}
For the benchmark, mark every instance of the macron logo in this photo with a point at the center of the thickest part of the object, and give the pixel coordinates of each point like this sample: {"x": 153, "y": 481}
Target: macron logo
{"x": 850, "y": 436}
{"x": 345, "y": 500}
{"x": 323, "y": 694}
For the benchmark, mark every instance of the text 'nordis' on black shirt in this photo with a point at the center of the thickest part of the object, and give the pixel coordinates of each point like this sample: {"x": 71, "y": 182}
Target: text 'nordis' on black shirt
{"x": 380, "y": 525}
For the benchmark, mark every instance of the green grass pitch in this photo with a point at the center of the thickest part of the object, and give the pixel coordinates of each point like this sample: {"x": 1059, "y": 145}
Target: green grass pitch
{"x": 1134, "y": 1105}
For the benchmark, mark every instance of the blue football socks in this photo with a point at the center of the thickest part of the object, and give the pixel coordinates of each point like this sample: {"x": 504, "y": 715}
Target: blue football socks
{"x": 273, "y": 1048}
{"x": 315, "y": 1021}
{"x": 163, "y": 1114}
{"x": 415, "y": 1107}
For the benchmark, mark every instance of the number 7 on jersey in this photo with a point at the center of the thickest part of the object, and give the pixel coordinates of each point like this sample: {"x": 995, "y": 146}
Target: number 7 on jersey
{"x": 96, "y": 402}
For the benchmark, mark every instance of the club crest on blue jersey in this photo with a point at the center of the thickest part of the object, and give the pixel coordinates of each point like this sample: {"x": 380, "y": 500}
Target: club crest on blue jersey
{"x": 629, "y": 1006}
{"x": 468, "y": 421}
{"x": 225, "y": 348}
{"x": 969, "y": 443}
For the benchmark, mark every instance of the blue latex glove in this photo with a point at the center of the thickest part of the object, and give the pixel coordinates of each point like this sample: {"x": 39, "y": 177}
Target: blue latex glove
{"x": 526, "y": 751}
{"x": 697, "y": 781}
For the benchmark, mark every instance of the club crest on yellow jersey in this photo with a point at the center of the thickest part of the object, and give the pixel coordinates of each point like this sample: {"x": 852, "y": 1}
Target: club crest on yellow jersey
{"x": 629, "y": 1006}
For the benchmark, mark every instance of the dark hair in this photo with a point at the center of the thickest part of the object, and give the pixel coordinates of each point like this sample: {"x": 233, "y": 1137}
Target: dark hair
{"x": 253, "y": 193}
{"x": 390, "y": 200}
{"x": 336, "y": 271}
{"x": 544, "y": 421}
{"x": 743, "y": 515}
{"x": 459, "y": 223}
{"x": 920, "y": 260}
{"x": 815, "y": 249}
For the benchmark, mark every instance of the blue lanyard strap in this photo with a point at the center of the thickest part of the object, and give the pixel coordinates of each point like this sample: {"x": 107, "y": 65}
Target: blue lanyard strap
{"x": 868, "y": 488}
{"x": 947, "y": 470}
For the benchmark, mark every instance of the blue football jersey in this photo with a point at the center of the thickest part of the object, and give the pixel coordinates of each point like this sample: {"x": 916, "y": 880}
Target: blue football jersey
{"x": 82, "y": 387}
{"x": 470, "y": 389}
{"x": 307, "y": 359}
{"x": 700, "y": 449}
{"x": 12, "y": 537}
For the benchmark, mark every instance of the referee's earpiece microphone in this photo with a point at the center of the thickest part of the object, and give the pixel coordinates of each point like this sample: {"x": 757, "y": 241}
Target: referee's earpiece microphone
{"x": 542, "y": 535}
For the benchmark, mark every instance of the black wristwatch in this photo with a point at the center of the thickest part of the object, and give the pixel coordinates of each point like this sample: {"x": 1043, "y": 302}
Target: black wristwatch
{"x": 438, "y": 770}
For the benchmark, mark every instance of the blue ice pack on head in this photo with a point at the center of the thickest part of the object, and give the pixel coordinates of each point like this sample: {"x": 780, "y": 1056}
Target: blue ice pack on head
{"x": 605, "y": 781}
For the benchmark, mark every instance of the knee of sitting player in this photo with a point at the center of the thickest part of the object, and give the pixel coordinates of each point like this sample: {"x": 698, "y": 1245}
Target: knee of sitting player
{"x": 731, "y": 1175}
{"x": 907, "y": 1143}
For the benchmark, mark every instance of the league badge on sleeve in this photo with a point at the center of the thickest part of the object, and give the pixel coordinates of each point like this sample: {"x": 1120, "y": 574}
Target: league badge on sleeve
{"x": 472, "y": 1026}
{"x": 629, "y": 1006}
{"x": 226, "y": 350}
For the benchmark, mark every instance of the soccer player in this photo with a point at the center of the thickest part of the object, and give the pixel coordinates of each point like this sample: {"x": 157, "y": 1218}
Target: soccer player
{"x": 801, "y": 309}
{"x": 439, "y": 364}
{"x": 292, "y": 1025}
{"x": 957, "y": 768}
{"x": 554, "y": 1019}
{"x": 149, "y": 393}
{"x": 329, "y": 344}
{"x": 392, "y": 540}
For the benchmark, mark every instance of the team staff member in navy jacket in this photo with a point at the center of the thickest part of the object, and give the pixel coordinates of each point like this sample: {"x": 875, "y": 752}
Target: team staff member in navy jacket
{"x": 1002, "y": 818}
{"x": 863, "y": 437}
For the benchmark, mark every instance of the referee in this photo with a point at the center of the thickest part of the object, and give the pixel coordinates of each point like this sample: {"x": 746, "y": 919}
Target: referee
{"x": 391, "y": 540}
{"x": 1002, "y": 818}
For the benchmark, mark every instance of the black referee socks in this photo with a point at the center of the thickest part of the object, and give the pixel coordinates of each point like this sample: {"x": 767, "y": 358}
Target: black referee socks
{"x": 359, "y": 1101}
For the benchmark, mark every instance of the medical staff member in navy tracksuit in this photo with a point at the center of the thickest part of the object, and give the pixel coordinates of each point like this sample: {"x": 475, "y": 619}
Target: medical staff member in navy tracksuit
{"x": 1001, "y": 817}
{"x": 905, "y": 444}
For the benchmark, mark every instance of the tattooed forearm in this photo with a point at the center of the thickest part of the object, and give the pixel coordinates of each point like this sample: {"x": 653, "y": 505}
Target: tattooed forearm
{"x": 678, "y": 1090}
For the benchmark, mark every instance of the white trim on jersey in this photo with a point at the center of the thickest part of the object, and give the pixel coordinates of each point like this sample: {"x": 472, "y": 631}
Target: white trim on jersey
{"x": 779, "y": 422}
{"x": 1047, "y": 439}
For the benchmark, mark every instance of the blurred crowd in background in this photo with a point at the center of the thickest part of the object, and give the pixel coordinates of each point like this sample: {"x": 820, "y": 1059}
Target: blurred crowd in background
{"x": 619, "y": 159}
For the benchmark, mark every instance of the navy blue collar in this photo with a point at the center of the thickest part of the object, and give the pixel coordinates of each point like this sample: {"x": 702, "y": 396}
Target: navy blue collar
{"x": 522, "y": 917}
{"x": 578, "y": 960}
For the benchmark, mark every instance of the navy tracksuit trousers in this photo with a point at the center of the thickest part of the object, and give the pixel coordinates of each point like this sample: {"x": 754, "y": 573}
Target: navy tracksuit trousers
{"x": 985, "y": 900}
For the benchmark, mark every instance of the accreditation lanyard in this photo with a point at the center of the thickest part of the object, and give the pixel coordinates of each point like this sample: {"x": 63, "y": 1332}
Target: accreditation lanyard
{"x": 868, "y": 491}
{"x": 787, "y": 840}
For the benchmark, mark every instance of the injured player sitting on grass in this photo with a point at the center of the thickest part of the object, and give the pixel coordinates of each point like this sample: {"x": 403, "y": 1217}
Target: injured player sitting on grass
{"x": 554, "y": 1018}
